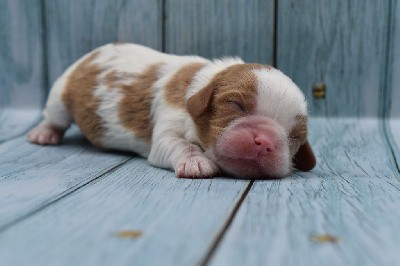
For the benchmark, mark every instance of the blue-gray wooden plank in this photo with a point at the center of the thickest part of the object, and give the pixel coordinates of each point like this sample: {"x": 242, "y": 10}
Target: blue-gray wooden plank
{"x": 32, "y": 176}
{"x": 179, "y": 219}
{"x": 15, "y": 121}
{"x": 22, "y": 70}
{"x": 212, "y": 29}
{"x": 353, "y": 194}
{"x": 392, "y": 101}
{"x": 340, "y": 43}
{"x": 74, "y": 27}
{"x": 394, "y": 63}
{"x": 394, "y": 137}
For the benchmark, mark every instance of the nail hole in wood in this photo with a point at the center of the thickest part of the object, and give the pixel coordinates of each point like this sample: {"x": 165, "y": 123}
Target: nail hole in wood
{"x": 129, "y": 234}
{"x": 319, "y": 90}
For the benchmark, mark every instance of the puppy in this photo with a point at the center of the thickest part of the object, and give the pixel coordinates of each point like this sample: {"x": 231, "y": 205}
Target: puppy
{"x": 186, "y": 113}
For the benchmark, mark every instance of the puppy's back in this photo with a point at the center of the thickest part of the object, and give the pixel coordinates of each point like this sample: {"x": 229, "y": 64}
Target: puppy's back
{"x": 109, "y": 93}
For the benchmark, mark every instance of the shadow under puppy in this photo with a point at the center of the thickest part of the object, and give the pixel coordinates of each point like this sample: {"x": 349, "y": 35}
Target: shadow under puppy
{"x": 195, "y": 116}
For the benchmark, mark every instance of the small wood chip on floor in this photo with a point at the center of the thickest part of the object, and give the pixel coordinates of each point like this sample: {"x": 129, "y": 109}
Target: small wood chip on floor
{"x": 325, "y": 238}
{"x": 129, "y": 234}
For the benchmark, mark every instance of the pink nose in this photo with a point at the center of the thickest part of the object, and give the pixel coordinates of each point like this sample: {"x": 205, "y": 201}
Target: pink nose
{"x": 264, "y": 144}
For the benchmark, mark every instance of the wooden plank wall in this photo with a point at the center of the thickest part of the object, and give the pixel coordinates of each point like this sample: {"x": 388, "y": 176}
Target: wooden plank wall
{"x": 393, "y": 86}
{"x": 394, "y": 62}
{"x": 212, "y": 29}
{"x": 76, "y": 27}
{"x": 21, "y": 58}
{"x": 22, "y": 68}
{"x": 341, "y": 43}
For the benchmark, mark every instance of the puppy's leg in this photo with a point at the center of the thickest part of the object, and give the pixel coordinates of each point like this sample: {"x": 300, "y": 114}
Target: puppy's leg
{"x": 56, "y": 118}
{"x": 187, "y": 159}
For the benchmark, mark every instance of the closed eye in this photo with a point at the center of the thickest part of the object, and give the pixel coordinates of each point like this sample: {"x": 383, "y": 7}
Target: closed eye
{"x": 237, "y": 105}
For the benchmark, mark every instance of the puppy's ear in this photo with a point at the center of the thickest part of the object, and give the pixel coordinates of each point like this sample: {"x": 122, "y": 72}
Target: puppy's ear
{"x": 304, "y": 159}
{"x": 199, "y": 103}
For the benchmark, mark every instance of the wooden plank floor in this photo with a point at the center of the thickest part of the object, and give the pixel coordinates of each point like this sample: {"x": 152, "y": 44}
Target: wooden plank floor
{"x": 14, "y": 122}
{"x": 65, "y": 206}
{"x": 353, "y": 195}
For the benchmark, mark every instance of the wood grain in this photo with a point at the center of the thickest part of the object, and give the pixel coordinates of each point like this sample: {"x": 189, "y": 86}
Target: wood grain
{"x": 21, "y": 60}
{"x": 178, "y": 220}
{"x": 69, "y": 204}
{"x": 391, "y": 107}
{"x": 21, "y": 66}
{"x": 340, "y": 43}
{"x": 393, "y": 135}
{"x": 15, "y": 122}
{"x": 393, "y": 70}
{"x": 353, "y": 194}
{"x": 76, "y": 27}
{"x": 32, "y": 176}
{"x": 212, "y": 29}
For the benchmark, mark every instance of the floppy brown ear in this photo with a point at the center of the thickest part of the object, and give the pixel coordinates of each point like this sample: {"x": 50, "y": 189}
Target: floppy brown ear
{"x": 304, "y": 159}
{"x": 199, "y": 103}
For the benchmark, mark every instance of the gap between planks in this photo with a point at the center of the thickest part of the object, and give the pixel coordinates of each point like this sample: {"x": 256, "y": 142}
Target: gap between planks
{"x": 45, "y": 53}
{"x": 392, "y": 146}
{"x": 275, "y": 36}
{"x": 60, "y": 197}
{"x": 387, "y": 93}
{"x": 224, "y": 229}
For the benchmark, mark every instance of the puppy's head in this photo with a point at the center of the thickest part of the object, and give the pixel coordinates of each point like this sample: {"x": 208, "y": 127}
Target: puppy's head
{"x": 252, "y": 121}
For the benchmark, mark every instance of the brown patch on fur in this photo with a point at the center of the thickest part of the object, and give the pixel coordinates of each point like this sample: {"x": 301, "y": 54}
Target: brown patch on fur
{"x": 298, "y": 134}
{"x": 300, "y": 149}
{"x": 176, "y": 88}
{"x": 231, "y": 94}
{"x": 135, "y": 111}
{"x": 111, "y": 78}
{"x": 304, "y": 159}
{"x": 79, "y": 99}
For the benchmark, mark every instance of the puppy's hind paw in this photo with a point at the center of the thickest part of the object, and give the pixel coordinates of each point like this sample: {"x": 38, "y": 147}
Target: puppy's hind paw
{"x": 196, "y": 167}
{"x": 45, "y": 135}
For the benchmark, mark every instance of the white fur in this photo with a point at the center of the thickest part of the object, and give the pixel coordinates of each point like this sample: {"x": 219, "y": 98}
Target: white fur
{"x": 168, "y": 128}
{"x": 174, "y": 136}
{"x": 279, "y": 98}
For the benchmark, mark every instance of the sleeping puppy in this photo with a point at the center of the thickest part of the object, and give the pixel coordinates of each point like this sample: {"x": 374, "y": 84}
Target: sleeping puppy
{"x": 186, "y": 113}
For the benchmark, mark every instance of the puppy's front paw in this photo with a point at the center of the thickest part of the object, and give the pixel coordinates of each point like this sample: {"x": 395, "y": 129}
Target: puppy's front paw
{"x": 196, "y": 167}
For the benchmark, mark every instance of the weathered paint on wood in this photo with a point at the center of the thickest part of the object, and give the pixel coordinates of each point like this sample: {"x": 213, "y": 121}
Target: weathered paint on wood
{"x": 394, "y": 63}
{"x": 391, "y": 109}
{"x": 395, "y": 136}
{"x": 21, "y": 66}
{"x": 32, "y": 176}
{"x": 14, "y": 122}
{"x": 340, "y": 43}
{"x": 21, "y": 58}
{"x": 392, "y": 126}
{"x": 353, "y": 194}
{"x": 76, "y": 27}
{"x": 212, "y": 29}
{"x": 68, "y": 202}
{"x": 178, "y": 218}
